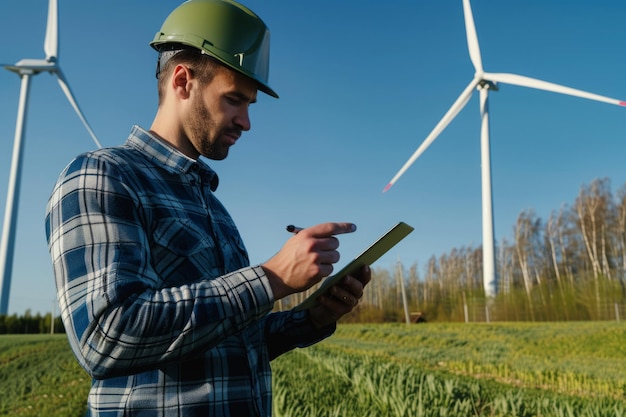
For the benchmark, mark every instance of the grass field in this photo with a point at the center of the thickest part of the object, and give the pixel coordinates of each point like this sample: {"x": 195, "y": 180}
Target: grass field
{"x": 40, "y": 377}
{"x": 504, "y": 369}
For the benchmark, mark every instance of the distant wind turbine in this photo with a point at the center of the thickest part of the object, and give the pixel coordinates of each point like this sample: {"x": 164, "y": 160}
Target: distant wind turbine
{"x": 483, "y": 82}
{"x": 26, "y": 68}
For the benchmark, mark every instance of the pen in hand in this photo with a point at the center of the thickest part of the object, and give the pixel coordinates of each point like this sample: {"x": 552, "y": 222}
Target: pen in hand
{"x": 293, "y": 229}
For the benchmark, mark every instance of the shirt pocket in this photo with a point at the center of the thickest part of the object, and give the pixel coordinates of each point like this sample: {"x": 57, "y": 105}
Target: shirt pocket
{"x": 183, "y": 253}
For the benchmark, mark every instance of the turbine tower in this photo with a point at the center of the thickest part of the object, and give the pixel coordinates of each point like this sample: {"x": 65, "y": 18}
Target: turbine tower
{"x": 26, "y": 68}
{"x": 483, "y": 82}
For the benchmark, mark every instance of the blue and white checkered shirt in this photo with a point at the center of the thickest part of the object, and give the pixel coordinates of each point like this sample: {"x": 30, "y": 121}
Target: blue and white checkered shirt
{"x": 157, "y": 296}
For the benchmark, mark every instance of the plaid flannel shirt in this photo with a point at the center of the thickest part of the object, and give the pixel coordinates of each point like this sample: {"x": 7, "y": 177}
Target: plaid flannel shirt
{"x": 157, "y": 296}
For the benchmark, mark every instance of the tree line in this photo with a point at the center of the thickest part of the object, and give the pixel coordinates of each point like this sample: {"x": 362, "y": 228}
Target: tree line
{"x": 30, "y": 324}
{"x": 571, "y": 266}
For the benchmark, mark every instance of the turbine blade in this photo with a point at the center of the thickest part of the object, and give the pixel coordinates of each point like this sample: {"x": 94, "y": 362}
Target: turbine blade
{"x": 472, "y": 37}
{"x": 51, "y": 43}
{"x": 68, "y": 93}
{"x": 523, "y": 81}
{"x": 458, "y": 105}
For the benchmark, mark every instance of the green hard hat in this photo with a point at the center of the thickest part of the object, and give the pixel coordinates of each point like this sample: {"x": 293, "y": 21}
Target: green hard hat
{"x": 225, "y": 30}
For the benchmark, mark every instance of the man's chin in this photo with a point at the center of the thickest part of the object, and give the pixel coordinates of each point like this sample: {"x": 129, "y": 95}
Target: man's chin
{"x": 216, "y": 156}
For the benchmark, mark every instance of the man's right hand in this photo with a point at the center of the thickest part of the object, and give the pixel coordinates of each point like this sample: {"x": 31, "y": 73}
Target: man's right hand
{"x": 305, "y": 258}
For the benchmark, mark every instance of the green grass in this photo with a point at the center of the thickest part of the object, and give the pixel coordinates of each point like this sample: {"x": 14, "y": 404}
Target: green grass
{"x": 503, "y": 369}
{"x": 39, "y": 376}
{"x": 582, "y": 358}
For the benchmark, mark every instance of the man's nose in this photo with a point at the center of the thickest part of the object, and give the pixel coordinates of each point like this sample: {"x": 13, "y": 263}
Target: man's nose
{"x": 243, "y": 120}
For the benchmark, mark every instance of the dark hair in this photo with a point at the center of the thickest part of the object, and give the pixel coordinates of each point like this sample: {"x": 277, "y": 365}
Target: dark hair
{"x": 201, "y": 66}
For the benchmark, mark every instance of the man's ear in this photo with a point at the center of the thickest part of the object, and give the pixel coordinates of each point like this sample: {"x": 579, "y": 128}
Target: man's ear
{"x": 181, "y": 81}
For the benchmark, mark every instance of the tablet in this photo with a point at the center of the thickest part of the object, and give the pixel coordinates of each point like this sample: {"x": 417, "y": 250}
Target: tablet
{"x": 367, "y": 257}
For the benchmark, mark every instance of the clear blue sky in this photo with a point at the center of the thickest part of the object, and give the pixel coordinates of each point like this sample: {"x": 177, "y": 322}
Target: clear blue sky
{"x": 360, "y": 88}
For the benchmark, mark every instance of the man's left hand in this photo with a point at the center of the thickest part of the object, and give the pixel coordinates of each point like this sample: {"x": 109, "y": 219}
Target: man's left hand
{"x": 340, "y": 299}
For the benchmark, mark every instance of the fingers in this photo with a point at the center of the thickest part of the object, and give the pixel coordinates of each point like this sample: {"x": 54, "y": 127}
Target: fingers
{"x": 343, "y": 297}
{"x": 329, "y": 229}
{"x": 340, "y": 299}
{"x": 364, "y": 275}
{"x": 350, "y": 290}
{"x": 321, "y": 252}
{"x": 323, "y": 245}
{"x": 306, "y": 258}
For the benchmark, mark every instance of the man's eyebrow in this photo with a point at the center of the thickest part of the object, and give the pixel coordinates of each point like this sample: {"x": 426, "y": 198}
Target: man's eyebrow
{"x": 243, "y": 97}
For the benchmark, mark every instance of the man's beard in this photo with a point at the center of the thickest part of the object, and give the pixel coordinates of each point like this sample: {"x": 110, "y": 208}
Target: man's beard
{"x": 205, "y": 135}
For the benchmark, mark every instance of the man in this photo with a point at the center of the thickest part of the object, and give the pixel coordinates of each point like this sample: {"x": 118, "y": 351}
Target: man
{"x": 159, "y": 301}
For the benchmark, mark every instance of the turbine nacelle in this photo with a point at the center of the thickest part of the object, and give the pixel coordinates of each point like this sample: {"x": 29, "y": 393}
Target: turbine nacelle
{"x": 33, "y": 66}
{"x": 490, "y": 85}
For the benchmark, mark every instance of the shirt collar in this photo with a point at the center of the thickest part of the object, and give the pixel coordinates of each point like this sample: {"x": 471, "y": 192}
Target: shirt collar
{"x": 169, "y": 157}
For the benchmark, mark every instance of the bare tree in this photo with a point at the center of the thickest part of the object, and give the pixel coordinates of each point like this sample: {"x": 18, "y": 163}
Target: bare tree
{"x": 552, "y": 240}
{"x": 526, "y": 231}
{"x": 593, "y": 207}
{"x": 621, "y": 236}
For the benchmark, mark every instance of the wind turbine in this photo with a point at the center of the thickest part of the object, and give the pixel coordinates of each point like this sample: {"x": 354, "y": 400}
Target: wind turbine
{"x": 26, "y": 68}
{"x": 483, "y": 82}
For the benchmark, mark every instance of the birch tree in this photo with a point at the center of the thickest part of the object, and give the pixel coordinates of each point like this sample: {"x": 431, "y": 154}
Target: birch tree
{"x": 592, "y": 207}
